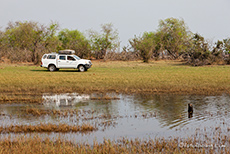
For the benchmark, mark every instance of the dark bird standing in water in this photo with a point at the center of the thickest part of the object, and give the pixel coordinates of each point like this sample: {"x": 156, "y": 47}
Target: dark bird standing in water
{"x": 190, "y": 110}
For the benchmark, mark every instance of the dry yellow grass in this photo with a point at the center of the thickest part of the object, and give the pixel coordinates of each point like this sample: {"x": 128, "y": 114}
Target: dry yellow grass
{"x": 117, "y": 76}
{"x": 37, "y": 145}
{"x": 63, "y": 128}
{"x": 41, "y": 112}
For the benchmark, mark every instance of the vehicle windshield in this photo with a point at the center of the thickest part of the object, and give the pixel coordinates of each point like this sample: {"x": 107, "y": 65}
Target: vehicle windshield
{"x": 77, "y": 57}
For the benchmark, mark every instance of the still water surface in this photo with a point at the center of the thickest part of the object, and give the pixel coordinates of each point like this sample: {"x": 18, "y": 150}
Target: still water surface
{"x": 131, "y": 116}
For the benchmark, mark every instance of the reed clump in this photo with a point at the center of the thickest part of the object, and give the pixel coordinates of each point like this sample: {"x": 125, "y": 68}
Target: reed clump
{"x": 20, "y": 98}
{"x": 77, "y": 113}
{"x": 36, "y": 111}
{"x": 62, "y": 128}
{"x": 40, "y": 112}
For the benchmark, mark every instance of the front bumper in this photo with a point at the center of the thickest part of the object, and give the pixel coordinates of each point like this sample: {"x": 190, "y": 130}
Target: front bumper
{"x": 87, "y": 66}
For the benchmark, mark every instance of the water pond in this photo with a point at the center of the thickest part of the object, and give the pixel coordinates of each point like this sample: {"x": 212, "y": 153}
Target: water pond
{"x": 118, "y": 115}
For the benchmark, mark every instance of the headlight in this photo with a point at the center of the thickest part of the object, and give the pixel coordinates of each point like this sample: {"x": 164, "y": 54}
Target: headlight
{"x": 88, "y": 62}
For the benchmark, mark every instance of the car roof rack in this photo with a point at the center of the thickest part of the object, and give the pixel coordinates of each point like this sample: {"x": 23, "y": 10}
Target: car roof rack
{"x": 67, "y": 52}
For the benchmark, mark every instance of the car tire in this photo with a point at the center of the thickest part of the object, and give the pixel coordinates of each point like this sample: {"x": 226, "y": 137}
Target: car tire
{"x": 52, "y": 68}
{"x": 81, "y": 68}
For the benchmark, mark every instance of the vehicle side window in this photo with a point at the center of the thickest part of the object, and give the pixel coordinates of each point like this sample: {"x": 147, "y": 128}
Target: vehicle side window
{"x": 70, "y": 58}
{"x": 51, "y": 57}
{"x": 44, "y": 57}
{"x": 62, "y": 57}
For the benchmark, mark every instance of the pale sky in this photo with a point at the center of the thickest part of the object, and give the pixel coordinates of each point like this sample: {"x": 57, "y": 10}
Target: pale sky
{"x": 210, "y": 18}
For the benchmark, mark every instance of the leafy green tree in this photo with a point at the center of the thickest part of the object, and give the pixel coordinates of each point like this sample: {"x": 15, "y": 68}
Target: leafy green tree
{"x": 172, "y": 38}
{"x": 226, "y": 44}
{"x": 29, "y": 37}
{"x": 51, "y": 41}
{"x": 107, "y": 40}
{"x": 173, "y": 35}
{"x": 144, "y": 46}
{"x": 2, "y": 49}
{"x": 199, "y": 51}
{"x": 74, "y": 39}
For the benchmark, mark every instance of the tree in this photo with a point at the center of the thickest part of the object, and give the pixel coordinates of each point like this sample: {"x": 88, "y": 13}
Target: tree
{"x": 226, "y": 45}
{"x": 217, "y": 52}
{"x": 1, "y": 43}
{"x": 144, "y": 45}
{"x": 31, "y": 38}
{"x": 51, "y": 41}
{"x": 74, "y": 39}
{"x": 172, "y": 38}
{"x": 199, "y": 51}
{"x": 173, "y": 35}
{"x": 101, "y": 43}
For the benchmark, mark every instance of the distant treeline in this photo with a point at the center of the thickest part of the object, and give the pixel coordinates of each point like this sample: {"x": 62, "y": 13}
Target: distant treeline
{"x": 28, "y": 41}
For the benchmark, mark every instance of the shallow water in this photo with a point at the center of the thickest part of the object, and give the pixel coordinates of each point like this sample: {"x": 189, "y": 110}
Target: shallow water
{"x": 130, "y": 116}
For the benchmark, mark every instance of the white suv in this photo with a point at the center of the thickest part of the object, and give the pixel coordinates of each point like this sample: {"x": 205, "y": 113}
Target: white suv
{"x": 64, "y": 59}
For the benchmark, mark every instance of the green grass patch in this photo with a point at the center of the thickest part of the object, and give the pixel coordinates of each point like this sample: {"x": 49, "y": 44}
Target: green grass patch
{"x": 118, "y": 76}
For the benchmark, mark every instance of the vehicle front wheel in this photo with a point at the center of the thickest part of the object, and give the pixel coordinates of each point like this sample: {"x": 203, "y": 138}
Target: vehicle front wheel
{"x": 52, "y": 68}
{"x": 81, "y": 68}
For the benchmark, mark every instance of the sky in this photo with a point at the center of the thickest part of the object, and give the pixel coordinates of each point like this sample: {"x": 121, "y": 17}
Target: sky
{"x": 210, "y": 18}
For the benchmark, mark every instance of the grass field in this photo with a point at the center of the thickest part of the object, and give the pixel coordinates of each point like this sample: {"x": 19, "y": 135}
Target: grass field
{"x": 117, "y": 76}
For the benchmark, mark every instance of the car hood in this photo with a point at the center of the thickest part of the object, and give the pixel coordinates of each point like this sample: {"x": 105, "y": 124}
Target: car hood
{"x": 84, "y": 61}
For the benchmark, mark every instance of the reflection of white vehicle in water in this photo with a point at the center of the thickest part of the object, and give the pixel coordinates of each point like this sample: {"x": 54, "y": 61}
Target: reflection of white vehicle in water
{"x": 63, "y": 100}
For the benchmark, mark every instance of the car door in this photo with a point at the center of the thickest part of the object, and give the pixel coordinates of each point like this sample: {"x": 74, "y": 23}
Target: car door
{"x": 72, "y": 62}
{"x": 62, "y": 62}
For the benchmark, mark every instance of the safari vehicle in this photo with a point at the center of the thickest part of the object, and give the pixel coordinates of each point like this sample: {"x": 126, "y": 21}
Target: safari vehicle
{"x": 64, "y": 59}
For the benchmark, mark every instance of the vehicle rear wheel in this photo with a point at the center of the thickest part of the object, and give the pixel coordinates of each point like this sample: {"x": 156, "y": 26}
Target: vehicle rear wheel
{"x": 81, "y": 68}
{"x": 52, "y": 68}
